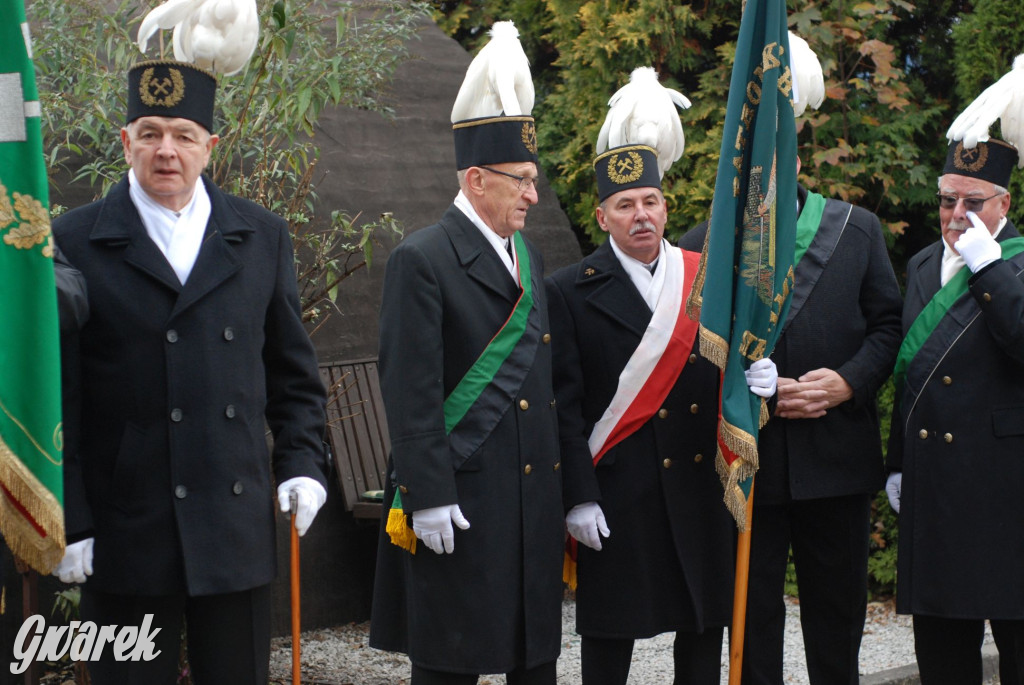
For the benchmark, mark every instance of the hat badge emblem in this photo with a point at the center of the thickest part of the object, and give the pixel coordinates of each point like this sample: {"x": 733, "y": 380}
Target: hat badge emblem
{"x": 625, "y": 168}
{"x": 529, "y": 136}
{"x": 972, "y": 159}
{"x": 166, "y": 91}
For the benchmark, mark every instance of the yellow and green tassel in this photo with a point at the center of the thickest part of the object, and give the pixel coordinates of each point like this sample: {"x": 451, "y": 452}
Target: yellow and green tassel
{"x": 398, "y": 526}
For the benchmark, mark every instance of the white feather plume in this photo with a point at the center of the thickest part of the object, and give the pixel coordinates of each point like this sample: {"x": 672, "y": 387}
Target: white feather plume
{"x": 1003, "y": 100}
{"x": 643, "y": 112}
{"x": 808, "y": 80}
{"x": 219, "y": 35}
{"x": 498, "y": 79}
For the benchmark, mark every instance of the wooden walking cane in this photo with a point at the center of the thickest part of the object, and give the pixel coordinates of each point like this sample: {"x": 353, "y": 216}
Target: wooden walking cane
{"x": 739, "y": 596}
{"x": 293, "y": 504}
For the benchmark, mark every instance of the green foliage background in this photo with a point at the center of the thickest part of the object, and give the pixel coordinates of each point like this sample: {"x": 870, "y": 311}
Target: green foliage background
{"x": 897, "y": 73}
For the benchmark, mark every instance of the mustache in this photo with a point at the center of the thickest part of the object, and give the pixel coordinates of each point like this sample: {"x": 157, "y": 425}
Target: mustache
{"x": 643, "y": 226}
{"x": 955, "y": 225}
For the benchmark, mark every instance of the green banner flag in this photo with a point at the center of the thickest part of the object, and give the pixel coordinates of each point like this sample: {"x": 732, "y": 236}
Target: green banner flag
{"x": 746, "y": 272}
{"x": 31, "y": 487}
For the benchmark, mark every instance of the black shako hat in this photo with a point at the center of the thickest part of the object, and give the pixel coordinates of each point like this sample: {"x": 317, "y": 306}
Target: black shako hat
{"x": 990, "y": 161}
{"x": 165, "y": 88}
{"x": 494, "y": 140}
{"x": 626, "y": 166}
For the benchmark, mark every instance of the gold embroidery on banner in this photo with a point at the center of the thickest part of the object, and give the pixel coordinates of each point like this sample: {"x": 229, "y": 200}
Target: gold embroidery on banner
{"x": 32, "y": 219}
{"x": 970, "y": 159}
{"x": 627, "y": 169}
{"x": 165, "y": 92}
{"x": 529, "y": 136}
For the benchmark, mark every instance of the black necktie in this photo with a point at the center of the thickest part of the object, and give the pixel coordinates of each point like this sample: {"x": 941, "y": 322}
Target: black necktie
{"x": 508, "y": 247}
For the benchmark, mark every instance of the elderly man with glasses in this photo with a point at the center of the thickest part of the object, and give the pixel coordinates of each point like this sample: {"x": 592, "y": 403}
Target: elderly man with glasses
{"x": 956, "y": 450}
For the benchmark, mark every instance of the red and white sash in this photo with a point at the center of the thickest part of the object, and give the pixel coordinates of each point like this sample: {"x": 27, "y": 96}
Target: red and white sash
{"x": 658, "y": 360}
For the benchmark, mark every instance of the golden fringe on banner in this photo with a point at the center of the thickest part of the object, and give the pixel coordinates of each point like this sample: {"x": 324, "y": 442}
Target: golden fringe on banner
{"x": 42, "y": 553}
{"x": 745, "y": 466}
{"x": 713, "y": 347}
{"x": 696, "y": 299}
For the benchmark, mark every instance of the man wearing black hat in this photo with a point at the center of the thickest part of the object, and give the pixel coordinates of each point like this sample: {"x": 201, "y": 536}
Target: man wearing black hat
{"x": 957, "y": 438}
{"x": 194, "y": 340}
{"x": 465, "y": 358}
{"x": 637, "y": 411}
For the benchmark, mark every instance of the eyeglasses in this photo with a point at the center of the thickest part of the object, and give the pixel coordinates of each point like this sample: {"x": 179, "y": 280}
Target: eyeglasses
{"x": 972, "y": 204}
{"x": 524, "y": 182}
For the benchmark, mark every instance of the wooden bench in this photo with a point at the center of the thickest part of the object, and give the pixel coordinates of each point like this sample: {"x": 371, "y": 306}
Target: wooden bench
{"x": 358, "y": 434}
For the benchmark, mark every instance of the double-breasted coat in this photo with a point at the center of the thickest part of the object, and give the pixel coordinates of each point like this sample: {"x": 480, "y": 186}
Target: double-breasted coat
{"x": 668, "y": 564}
{"x": 171, "y": 471}
{"x": 958, "y": 438}
{"x": 494, "y": 604}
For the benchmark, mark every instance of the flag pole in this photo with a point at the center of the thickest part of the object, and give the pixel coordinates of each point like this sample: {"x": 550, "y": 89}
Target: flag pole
{"x": 739, "y": 597}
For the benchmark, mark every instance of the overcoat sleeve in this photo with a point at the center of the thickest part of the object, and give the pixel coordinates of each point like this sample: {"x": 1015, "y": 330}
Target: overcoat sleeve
{"x": 1000, "y": 294}
{"x": 579, "y": 480}
{"x": 881, "y": 305}
{"x": 412, "y": 379}
{"x": 295, "y": 394}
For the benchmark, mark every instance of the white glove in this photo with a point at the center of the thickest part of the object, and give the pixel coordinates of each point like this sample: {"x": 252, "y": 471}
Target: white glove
{"x": 310, "y": 497}
{"x": 76, "y": 563}
{"x": 434, "y": 527}
{"x": 762, "y": 377}
{"x": 585, "y": 521}
{"x": 893, "y": 489}
{"x": 977, "y": 246}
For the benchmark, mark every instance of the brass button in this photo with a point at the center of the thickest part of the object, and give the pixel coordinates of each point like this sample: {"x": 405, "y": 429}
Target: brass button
{"x": 237, "y": 487}
{"x": 662, "y": 413}
{"x": 558, "y": 465}
{"x": 176, "y": 415}
{"x": 923, "y": 433}
{"x": 524, "y": 405}
{"x": 948, "y": 437}
{"x": 667, "y": 463}
{"x": 229, "y": 334}
{"x": 546, "y": 338}
{"x": 693, "y": 358}
{"x": 986, "y": 297}
{"x": 229, "y": 411}
{"x": 172, "y": 336}
{"x": 694, "y": 408}
{"x": 404, "y": 490}
{"x": 181, "y": 492}
{"x": 528, "y": 469}
{"x": 698, "y": 458}
{"x": 552, "y": 404}
{"x": 946, "y": 380}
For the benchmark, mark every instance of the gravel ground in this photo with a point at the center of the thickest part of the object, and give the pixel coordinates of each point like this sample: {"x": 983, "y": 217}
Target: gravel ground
{"x": 340, "y": 656}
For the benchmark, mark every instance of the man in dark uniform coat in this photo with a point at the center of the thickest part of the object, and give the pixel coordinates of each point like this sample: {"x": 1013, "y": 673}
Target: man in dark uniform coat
{"x": 194, "y": 339}
{"x": 666, "y": 563}
{"x": 821, "y": 453}
{"x": 485, "y": 598}
{"x": 957, "y": 444}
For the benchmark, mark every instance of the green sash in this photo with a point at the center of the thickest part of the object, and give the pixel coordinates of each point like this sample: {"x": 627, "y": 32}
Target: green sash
{"x": 807, "y": 224}
{"x": 483, "y": 371}
{"x": 936, "y": 309}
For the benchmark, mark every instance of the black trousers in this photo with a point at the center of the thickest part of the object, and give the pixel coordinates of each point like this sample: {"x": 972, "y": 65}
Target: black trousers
{"x": 949, "y": 650}
{"x": 698, "y": 659}
{"x": 545, "y": 674}
{"x": 228, "y": 637}
{"x": 829, "y": 538}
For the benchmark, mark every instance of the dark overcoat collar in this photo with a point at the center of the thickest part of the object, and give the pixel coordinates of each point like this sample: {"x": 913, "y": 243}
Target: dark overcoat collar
{"x": 119, "y": 223}
{"x": 608, "y": 288}
{"x": 477, "y": 256}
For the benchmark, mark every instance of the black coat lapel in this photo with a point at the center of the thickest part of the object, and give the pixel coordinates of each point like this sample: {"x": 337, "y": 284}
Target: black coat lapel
{"x": 476, "y": 255}
{"x": 216, "y": 261}
{"x": 608, "y": 288}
